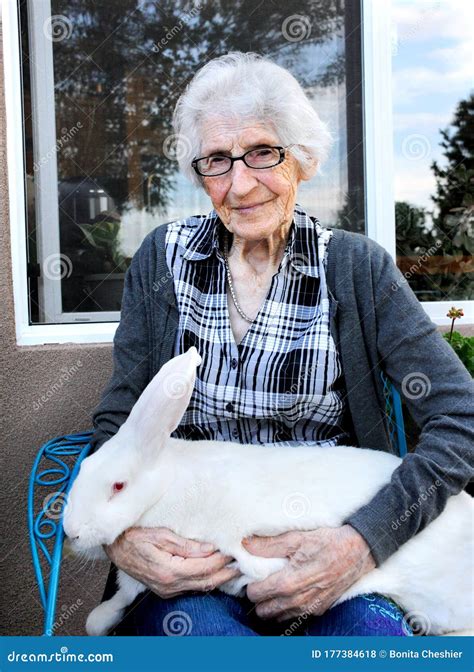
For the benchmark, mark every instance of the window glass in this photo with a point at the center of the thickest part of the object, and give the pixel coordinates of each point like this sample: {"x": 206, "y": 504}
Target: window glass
{"x": 433, "y": 139}
{"x": 100, "y": 83}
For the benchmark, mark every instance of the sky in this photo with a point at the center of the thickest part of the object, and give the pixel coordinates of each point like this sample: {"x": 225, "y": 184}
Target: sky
{"x": 432, "y": 65}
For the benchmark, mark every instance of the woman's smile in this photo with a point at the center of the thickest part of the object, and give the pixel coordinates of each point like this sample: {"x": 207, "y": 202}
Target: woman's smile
{"x": 249, "y": 209}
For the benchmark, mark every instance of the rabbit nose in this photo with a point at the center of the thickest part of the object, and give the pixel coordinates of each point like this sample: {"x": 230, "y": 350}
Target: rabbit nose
{"x": 70, "y": 533}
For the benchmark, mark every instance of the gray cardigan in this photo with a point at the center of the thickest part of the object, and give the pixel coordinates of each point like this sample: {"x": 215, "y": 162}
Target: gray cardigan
{"x": 378, "y": 324}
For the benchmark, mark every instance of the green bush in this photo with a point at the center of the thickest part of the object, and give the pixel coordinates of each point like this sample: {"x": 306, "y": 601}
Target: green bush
{"x": 463, "y": 346}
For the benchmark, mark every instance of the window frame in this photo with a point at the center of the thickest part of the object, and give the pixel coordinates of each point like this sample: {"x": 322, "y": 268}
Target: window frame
{"x": 378, "y": 166}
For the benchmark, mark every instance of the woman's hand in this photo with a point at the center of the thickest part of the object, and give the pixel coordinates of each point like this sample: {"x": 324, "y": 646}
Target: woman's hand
{"x": 324, "y": 563}
{"x": 169, "y": 564}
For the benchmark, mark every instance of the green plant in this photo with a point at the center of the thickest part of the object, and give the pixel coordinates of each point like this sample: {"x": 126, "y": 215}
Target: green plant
{"x": 463, "y": 346}
{"x": 104, "y": 235}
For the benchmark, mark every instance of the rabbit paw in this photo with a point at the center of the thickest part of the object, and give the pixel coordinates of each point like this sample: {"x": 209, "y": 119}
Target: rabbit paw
{"x": 235, "y": 586}
{"x": 102, "y": 619}
{"x": 258, "y": 568}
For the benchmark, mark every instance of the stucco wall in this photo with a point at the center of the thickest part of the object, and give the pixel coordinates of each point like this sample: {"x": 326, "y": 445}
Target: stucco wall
{"x": 27, "y": 373}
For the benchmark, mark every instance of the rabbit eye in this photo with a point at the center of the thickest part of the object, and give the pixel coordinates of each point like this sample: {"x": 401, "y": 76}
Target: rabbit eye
{"x": 118, "y": 486}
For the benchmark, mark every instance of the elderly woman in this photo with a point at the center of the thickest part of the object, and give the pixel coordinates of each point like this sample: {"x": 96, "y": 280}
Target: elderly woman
{"x": 294, "y": 323}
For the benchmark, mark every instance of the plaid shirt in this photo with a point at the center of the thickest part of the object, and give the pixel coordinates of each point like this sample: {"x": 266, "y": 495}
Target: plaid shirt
{"x": 283, "y": 382}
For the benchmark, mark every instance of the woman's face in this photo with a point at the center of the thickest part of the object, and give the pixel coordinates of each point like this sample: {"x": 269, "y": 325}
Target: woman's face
{"x": 252, "y": 204}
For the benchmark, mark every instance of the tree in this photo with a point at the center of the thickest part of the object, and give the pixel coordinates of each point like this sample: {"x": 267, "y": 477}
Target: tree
{"x": 415, "y": 245}
{"x": 123, "y": 66}
{"x": 454, "y": 200}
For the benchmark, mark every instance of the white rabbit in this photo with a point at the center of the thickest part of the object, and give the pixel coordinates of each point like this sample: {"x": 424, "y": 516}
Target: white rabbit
{"x": 220, "y": 492}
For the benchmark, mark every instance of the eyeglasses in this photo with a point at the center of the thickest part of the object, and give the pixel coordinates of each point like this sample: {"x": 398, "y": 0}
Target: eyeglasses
{"x": 218, "y": 164}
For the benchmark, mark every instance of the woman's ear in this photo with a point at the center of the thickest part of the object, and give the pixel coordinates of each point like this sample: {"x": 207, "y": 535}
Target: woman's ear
{"x": 310, "y": 167}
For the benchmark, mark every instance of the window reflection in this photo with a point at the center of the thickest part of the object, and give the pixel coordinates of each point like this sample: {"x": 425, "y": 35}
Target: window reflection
{"x": 118, "y": 71}
{"x": 434, "y": 131}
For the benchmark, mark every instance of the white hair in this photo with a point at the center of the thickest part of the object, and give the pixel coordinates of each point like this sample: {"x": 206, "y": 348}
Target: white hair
{"x": 247, "y": 85}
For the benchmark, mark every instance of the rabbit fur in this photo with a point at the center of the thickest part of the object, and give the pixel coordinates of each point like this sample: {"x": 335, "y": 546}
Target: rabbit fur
{"x": 220, "y": 492}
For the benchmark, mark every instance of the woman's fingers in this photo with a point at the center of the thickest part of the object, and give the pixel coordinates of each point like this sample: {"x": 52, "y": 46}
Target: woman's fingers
{"x": 170, "y": 564}
{"x": 197, "y": 568}
{"x": 188, "y": 548}
{"x": 199, "y": 574}
{"x": 175, "y": 544}
{"x": 215, "y": 580}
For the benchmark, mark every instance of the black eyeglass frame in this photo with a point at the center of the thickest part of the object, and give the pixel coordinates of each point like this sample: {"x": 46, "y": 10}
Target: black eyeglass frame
{"x": 233, "y": 159}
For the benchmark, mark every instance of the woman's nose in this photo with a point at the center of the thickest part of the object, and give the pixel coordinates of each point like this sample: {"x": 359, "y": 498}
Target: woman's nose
{"x": 243, "y": 179}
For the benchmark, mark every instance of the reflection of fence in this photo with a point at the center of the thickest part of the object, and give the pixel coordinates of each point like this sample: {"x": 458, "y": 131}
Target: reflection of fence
{"x": 435, "y": 264}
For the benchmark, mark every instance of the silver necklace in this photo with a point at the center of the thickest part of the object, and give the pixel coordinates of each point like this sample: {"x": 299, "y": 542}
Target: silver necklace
{"x": 229, "y": 280}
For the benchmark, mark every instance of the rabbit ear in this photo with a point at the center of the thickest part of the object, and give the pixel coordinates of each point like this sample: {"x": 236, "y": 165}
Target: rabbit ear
{"x": 163, "y": 402}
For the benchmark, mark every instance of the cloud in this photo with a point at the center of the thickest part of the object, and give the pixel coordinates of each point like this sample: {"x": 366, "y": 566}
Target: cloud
{"x": 414, "y": 185}
{"x": 419, "y": 21}
{"x": 420, "y": 81}
{"x": 425, "y": 121}
{"x": 456, "y": 58}
{"x": 434, "y": 48}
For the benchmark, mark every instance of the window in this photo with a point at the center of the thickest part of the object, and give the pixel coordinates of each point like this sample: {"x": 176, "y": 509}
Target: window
{"x": 100, "y": 81}
{"x": 94, "y": 147}
{"x": 433, "y": 135}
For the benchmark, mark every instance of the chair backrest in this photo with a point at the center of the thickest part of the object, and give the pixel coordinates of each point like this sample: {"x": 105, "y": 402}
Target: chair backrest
{"x": 52, "y": 476}
{"x": 394, "y": 413}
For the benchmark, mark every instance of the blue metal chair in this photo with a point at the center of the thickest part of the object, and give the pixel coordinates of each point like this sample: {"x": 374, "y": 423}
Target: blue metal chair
{"x": 394, "y": 412}
{"x": 53, "y": 474}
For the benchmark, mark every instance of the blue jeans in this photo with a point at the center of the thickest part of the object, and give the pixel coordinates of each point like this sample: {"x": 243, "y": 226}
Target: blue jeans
{"x": 215, "y": 613}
